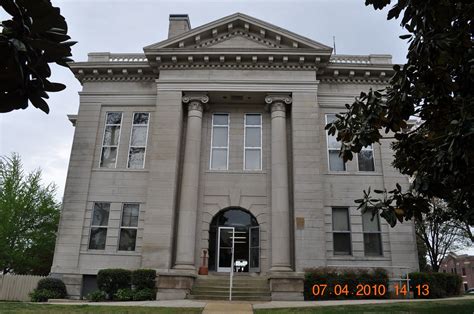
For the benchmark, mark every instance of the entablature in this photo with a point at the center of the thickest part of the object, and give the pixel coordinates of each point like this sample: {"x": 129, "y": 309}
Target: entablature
{"x": 105, "y": 66}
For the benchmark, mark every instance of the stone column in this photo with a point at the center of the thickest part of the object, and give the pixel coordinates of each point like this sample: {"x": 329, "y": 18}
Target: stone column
{"x": 188, "y": 203}
{"x": 280, "y": 213}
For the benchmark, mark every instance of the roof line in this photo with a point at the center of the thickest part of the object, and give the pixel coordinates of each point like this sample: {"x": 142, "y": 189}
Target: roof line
{"x": 251, "y": 19}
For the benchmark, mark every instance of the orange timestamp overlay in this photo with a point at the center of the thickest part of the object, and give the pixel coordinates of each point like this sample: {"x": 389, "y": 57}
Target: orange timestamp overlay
{"x": 366, "y": 290}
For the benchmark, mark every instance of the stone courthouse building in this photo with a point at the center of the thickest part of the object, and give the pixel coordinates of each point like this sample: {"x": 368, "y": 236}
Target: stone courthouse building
{"x": 217, "y": 134}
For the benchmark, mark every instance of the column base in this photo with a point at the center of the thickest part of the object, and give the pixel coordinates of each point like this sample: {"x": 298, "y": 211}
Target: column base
{"x": 184, "y": 267}
{"x": 287, "y": 286}
{"x": 174, "y": 286}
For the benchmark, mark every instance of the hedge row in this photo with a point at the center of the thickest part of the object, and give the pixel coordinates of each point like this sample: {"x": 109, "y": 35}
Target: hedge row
{"x": 125, "y": 285}
{"x": 440, "y": 285}
{"x": 48, "y": 288}
{"x": 348, "y": 281}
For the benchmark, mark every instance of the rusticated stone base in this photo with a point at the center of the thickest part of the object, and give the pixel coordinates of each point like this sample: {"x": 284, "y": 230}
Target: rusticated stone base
{"x": 287, "y": 286}
{"x": 73, "y": 284}
{"x": 174, "y": 286}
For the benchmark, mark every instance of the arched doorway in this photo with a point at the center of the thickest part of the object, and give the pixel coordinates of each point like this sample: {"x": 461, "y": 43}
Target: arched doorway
{"x": 244, "y": 226}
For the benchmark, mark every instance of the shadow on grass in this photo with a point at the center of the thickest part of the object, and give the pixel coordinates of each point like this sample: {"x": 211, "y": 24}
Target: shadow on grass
{"x": 431, "y": 307}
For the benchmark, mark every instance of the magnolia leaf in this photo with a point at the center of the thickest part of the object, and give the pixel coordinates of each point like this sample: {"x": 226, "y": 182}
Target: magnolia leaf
{"x": 53, "y": 87}
{"x": 39, "y": 102}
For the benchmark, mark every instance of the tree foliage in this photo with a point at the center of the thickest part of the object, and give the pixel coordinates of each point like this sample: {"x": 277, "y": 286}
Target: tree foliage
{"x": 35, "y": 36}
{"x": 29, "y": 217}
{"x": 435, "y": 86}
{"x": 439, "y": 236}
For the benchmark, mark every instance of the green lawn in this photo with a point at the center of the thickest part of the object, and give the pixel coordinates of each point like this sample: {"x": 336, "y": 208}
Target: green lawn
{"x": 20, "y": 307}
{"x": 432, "y": 307}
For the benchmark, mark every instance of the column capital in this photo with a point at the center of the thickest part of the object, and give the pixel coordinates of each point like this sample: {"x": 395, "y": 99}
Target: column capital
{"x": 195, "y": 101}
{"x": 278, "y": 101}
{"x": 278, "y": 97}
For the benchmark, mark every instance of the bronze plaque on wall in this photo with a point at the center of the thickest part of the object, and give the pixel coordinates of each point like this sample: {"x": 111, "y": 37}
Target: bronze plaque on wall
{"x": 299, "y": 223}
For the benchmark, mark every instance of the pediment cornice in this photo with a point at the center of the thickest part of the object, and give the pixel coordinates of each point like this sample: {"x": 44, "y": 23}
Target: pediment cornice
{"x": 242, "y": 25}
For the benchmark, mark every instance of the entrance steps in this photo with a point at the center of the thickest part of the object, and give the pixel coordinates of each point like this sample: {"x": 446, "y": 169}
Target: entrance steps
{"x": 244, "y": 288}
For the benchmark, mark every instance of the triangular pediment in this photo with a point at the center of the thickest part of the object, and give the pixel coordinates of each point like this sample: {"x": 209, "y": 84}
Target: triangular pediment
{"x": 236, "y": 41}
{"x": 239, "y": 31}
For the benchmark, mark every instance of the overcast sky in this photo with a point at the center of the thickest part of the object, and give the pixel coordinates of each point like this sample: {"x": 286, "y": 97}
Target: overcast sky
{"x": 44, "y": 141}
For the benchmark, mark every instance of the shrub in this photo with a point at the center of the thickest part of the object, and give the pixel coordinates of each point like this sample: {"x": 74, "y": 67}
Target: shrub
{"x": 144, "y": 294}
{"x": 55, "y": 285}
{"x": 43, "y": 295}
{"x": 453, "y": 284}
{"x": 123, "y": 295}
{"x": 96, "y": 296}
{"x": 440, "y": 284}
{"x": 143, "y": 278}
{"x": 112, "y": 279}
{"x": 352, "y": 278}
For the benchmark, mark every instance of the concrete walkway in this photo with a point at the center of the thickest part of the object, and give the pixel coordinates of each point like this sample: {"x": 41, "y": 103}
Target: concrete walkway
{"x": 228, "y": 307}
{"x": 287, "y": 304}
{"x": 163, "y": 303}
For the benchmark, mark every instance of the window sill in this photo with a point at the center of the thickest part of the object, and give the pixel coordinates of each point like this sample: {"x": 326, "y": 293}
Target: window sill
{"x": 357, "y": 173}
{"x": 119, "y": 170}
{"x": 117, "y": 253}
{"x": 237, "y": 171}
{"x": 357, "y": 258}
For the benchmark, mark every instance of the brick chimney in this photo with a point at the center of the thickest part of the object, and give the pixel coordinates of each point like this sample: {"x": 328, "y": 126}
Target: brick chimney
{"x": 179, "y": 23}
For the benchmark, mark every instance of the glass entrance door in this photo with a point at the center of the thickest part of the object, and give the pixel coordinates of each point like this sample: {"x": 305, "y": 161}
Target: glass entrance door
{"x": 238, "y": 227}
{"x": 254, "y": 249}
{"x": 224, "y": 248}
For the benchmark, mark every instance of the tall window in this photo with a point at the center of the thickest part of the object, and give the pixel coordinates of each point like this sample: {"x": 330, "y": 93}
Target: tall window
{"x": 335, "y": 162}
{"x": 341, "y": 231}
{"x": 372, "y": 234}
{"x": 253, "y": 142}
{"x": 100, "y": 220}
{"x": 220, "y": 141}
{"x": 366, "y": 159}
{"x": 138, "y": 140}
{"x": 129, "y": 227}
{"x": 113, "y": 122}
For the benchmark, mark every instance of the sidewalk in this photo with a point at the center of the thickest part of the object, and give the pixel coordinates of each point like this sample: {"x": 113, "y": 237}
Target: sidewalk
{"x": 228, "y": 307}
{"x": 286, "y": 304}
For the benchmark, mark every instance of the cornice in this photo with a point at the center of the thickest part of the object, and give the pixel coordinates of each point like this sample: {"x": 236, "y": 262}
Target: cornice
{"x": 231, "y": 66}
{"x": 132, "y": 67}
{"x": 113, "y": 71}
{"x": 235, "y": 21}
{"x": 103, "y": 78}
{"x": 354, "y": 80}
